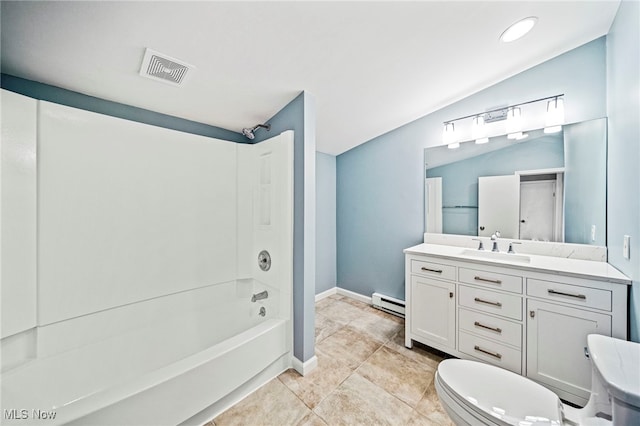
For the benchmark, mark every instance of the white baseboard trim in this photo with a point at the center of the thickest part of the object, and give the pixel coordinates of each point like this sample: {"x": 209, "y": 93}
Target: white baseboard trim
{"x": 343, "y": 292}
{"x": 306, "y": 367}
{"x": 354, "y": 295}
{"x": 326, "y": 294}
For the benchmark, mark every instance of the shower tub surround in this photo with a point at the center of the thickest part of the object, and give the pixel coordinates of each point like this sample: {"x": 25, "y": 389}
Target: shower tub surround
{"x": 172, "y": 360}
{"x": 147, "y": 261}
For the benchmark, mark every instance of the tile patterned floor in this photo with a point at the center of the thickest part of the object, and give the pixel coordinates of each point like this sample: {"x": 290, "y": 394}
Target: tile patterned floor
{"x": 365, "y": 376}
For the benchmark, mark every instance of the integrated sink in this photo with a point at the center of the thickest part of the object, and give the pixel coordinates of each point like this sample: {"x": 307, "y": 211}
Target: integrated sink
{"x": 492, "y": 255}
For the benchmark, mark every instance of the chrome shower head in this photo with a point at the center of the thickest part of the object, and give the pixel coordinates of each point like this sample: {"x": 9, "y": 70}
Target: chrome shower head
{"x": 249, "y": 133}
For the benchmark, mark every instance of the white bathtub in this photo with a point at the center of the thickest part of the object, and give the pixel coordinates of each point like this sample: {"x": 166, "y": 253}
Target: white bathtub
{"x": 157, "y": 362}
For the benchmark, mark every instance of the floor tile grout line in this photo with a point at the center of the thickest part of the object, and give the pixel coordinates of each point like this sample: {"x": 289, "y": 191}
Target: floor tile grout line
{"x": 390, "y": 394}
{"x": 423, "y": 393}
{"x": 353, "y": 371}
{"x": 299, "y": 399}
{"x": 380, "y": 347}
{"x": 332, "y": 391}
{"x": 341, "y": 327}
{"x": 384, "y": 343}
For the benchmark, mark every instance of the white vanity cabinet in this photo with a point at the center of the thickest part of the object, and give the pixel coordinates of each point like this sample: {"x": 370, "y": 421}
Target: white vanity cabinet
{"x": 529, "y": 319}
{"x": 433, "y": 305}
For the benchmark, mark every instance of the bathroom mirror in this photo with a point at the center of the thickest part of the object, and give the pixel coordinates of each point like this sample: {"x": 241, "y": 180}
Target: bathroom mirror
{"x": 547, "y": 187}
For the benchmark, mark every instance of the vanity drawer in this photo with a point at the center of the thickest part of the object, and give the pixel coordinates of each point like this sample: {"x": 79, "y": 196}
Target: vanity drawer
{"x": 491, "y": 280}
{"x": 491, "y": 352}
{"x": 496, "y": 329}
{"x": 493, "y": 302}
{"x": 422, "y": 267}
{"x": 576, "y": 295}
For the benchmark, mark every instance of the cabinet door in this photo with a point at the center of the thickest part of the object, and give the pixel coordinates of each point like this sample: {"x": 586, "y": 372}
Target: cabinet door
{"x": 433, "y": 310}
{"x": 556, "y": 343}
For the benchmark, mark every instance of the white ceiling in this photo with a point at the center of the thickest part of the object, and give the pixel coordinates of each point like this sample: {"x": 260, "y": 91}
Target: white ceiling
{"x": 372, "y": 66}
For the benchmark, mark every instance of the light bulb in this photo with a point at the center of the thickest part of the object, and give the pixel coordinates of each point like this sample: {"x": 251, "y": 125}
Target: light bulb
{"x": 479, "y": 130}
{"x": 515, "y": 135}
{"x": 454, "y": 145}
{"x": 449, "y": 133}
{"x": 514, "y": 123}
{"x": 555, "y": 115}
{"x": 518, "y": 30}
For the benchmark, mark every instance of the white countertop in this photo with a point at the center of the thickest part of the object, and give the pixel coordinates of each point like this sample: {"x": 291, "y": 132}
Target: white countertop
{"x": 563, "y": 266}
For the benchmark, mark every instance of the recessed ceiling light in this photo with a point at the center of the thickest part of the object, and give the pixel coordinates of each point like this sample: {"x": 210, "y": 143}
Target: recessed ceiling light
{"x": 519, "y": 29}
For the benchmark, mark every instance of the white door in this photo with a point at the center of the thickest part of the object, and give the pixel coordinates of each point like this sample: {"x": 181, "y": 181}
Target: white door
{"x": 556, "y": 345}
{"x": 433, "y": 204}
{"x": 537, "y": 210}
{"x": 499, "y": 205}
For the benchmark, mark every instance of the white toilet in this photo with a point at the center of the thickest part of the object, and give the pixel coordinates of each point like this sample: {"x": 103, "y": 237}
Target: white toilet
{"x": 474, "y": 393}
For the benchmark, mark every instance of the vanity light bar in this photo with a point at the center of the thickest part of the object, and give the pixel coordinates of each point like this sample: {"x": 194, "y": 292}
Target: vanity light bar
{"x": 555, "y": 119}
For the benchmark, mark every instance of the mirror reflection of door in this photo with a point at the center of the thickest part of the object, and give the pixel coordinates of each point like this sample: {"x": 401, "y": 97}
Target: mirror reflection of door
{"x": 433, "y": 204}
{"x": 537, "y": 200}
{"x": 541, "y": 207}
{"x": 499, "y": 205}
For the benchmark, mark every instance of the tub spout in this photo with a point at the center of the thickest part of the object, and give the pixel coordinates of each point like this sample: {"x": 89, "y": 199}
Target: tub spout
{"x": 259, "y": 296}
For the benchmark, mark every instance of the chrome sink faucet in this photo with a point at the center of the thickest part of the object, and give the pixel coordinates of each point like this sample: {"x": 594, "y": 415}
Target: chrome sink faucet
{"x": 480, "y": 246}
{"x": 511, "y": 250}
{"x": 494, "y": 238}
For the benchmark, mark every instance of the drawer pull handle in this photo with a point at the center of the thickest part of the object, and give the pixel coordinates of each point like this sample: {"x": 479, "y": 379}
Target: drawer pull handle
{"x": 498, "y": 304}
{"x": 487, "y": 280}
{"x": 496, "y": 329}
{"x": 437, "y": 271}
{"x": 493, "y": 354}
{"x": 561, "y": 293}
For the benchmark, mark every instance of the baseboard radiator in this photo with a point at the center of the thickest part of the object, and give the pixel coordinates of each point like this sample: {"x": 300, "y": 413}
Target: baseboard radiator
{"x": 388, "y": 304}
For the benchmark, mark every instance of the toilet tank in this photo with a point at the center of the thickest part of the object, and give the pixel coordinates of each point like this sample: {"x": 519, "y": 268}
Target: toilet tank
{"x": 617, "y": 364}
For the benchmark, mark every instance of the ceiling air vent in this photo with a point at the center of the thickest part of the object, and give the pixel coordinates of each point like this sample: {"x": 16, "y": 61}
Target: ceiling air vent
{"x": 164, "y": 68}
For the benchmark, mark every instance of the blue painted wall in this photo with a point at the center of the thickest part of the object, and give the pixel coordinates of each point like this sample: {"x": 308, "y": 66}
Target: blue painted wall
{"x": 299, "y": 116}
{"x": 623, "y": 105}
{"x": 460, "y": 179}
{"x": 45, "y": 92}
{"x": 380, "y": 183}
{"x": 325, "y": 222}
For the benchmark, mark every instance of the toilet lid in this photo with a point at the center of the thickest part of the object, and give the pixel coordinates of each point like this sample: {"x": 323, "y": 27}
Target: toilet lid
{"x": 618, "y": 364}
{"x": 500, "y": 394}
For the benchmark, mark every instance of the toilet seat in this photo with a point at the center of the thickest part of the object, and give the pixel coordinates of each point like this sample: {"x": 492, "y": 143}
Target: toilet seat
{"x": 481, "y": 393}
